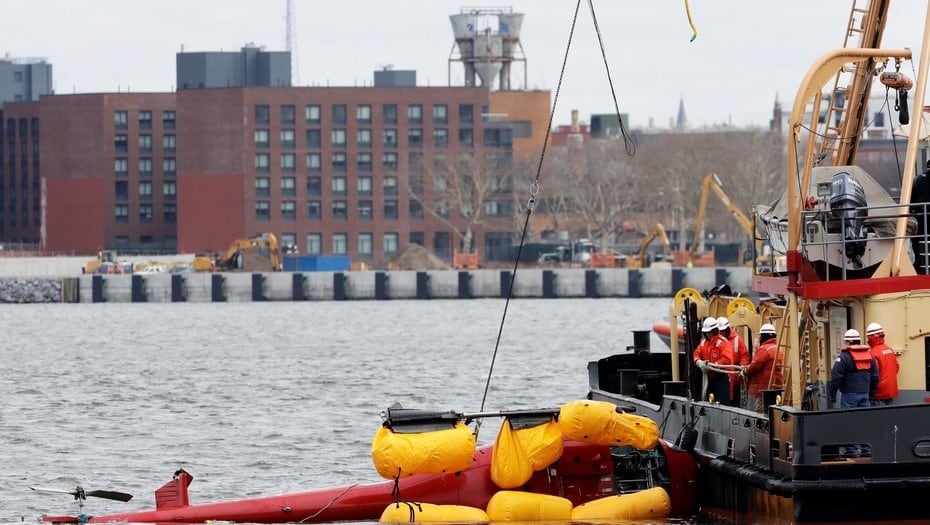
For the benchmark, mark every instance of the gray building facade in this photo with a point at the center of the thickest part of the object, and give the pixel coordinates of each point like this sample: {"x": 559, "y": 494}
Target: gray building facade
{"x": 24, "y": 79}
{"x": 250, "y": 67}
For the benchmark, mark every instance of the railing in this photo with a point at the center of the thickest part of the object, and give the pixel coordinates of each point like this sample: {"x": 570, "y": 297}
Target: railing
{"x": 824, "y": 238}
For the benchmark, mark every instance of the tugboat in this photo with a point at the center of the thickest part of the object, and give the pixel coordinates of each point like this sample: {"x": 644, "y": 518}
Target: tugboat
{"x": 845, "y": 239}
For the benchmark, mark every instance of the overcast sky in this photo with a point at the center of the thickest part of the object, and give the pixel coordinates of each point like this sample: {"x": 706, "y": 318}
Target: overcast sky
{"x": 746, "y": 53}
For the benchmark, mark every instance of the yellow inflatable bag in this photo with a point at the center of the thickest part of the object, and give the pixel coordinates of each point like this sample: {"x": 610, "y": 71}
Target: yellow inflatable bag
{"x": 599, "y": 423}
{"x": 409, "y": 512}
{"x": 509, "y": 466}
{"x": 434, "y": 452}
{"x": 542, "y": 444}
{"x": 648, "y": 504}
{"x": 509, "y": 505}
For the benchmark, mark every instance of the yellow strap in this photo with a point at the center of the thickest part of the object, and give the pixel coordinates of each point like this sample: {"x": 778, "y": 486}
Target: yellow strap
{"x": 690, "y": 21}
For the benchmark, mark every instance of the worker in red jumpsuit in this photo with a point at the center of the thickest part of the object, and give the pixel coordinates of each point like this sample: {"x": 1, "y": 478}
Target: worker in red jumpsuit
{"x": 740, "y": 356}
{"x": 714, "y": 350}
{"x": 764, "y": 371}
{"x": 887, "y": 363}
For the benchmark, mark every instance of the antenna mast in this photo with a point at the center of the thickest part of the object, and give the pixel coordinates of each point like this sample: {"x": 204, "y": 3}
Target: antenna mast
{"x": 292, "y": 43}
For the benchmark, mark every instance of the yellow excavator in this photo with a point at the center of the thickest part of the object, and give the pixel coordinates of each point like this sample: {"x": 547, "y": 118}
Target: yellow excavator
{"x": 259, "y": 253}
{"x": 641, "y": 259}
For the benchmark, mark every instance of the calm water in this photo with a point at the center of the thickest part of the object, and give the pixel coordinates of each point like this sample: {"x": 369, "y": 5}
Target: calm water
{"x": 263, "y": 398}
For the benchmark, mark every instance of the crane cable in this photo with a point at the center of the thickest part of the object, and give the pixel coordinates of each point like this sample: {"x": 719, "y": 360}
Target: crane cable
{"x": 534, "y": 186}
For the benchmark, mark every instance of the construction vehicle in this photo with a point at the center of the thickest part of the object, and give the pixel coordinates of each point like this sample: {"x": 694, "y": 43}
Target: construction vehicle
{"x": 696, "y": 255}
{"x": 107, "y": 262}
{"x": 641, "y": 259}
{"x": 259, "y": 253}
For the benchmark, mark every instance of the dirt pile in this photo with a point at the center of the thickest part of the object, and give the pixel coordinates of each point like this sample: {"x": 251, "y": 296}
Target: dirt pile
{"x": 416, "y": 257}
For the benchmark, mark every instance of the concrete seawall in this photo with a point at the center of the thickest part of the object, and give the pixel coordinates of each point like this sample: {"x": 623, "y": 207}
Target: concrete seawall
{"x": 377, "y": 285}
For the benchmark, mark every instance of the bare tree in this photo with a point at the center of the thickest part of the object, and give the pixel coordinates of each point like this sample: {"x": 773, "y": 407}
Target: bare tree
{"x": 464, "y": 190}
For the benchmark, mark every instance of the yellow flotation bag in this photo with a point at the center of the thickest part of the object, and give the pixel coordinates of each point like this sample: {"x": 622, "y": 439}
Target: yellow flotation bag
{"x": 409, "y": 512}
{"x": 435, "y": 452}
{"x": 599, "y": 423}
{"x": 649, "y": 504}
{"x": 542, "y": 444}
{"x": 510, "y": 505}
{"x": 509, "y": 466}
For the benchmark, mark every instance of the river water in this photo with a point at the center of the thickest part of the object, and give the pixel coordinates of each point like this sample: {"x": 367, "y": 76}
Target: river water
{"x": 264, "y": 398}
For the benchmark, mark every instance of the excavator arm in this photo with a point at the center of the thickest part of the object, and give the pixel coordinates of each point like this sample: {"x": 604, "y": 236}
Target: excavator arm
{"x": 712, "y": 184}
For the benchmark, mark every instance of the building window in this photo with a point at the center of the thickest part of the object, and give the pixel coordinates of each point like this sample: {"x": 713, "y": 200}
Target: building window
{"x": 314, "y": 186}
{"x": 364, "y": 210}
{"x": 170, "y": 189}
{"x": 312, "y": 114}
{"x": 390, "y": 138}
{"x": 262, "y": 186}
{"x": 261, "y": 138}
{"x": 169, "y": 143}
{"x": 498, "y": 138}
{"x": 145, "y": 190}
{"x": 466, "y": 114}
{"x": 262, "y": 114}
{"x": 122, "y": 213}
{"x": 440, "y": 137}
{"x": 390, "y": 209}
{"x": 314, "y": 243}
{"x": 288, "y": 186}
{"x": 417, "y": 238}
{"x": 262, "y": 161}
{"x": 287, "y": 114}
{"x": 414, "y": 161}
{"x": 364, "y": 138}
{"x": 288, "y": 162}
{"x": 169, "y": 166}
{"x": 339, "y": 210}
{"x": 145, "y": 213}
{"x": 340, "y": 244}
{"x": 364, "y": 245}
{"x": 339, "y": 114}
{"x": 364, "y": 162}
{"x": 170, "y": 212}
{"x": 122, "y": 190}
{"x": 121, "y": 167}
{"x": 416, "y": 209}
{"x": 389, "y": 161}
{"x": 414, "y": 114}
{"x": 262, "y": 211}
{"x": 314, "y": 210}
{"x": 145, "y": 167}
{"x": 390, "y": 243}
{"x": 364, "y": 186}
{"x": 313, "y": 162}
{"x": 466, "y": 137}
{"x": 339, "y": 161}
{"x": 121, "y": 119}
{"x": 415, "y": 137}
{"x": 314, "y": 138}
{"x": 339, "y": 138}
{"x": 440, "y": 114}
{"x": 390, "y": 186}
{"x": 287, "y": 138}
{"x": 389, "y": 114}
{"x": 289, "y": 242}
{"x": 167, "y": 119}
{"x": 288, "y": 210}
{"x": 145, "y": 143}
{"x": 145, "y": 119}
{"x": 121, "y": 143}
{"x": 339, "y": 185}
{"x": 363, "y": 114}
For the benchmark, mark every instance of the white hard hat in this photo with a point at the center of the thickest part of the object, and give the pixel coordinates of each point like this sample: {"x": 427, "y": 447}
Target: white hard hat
{"x": 710, "y": 324}
{"x": 723, "y": 323}
{"x": 874, "y": 328}
{"x": 851, "y": 335}
{"x": 767, "y": 328}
